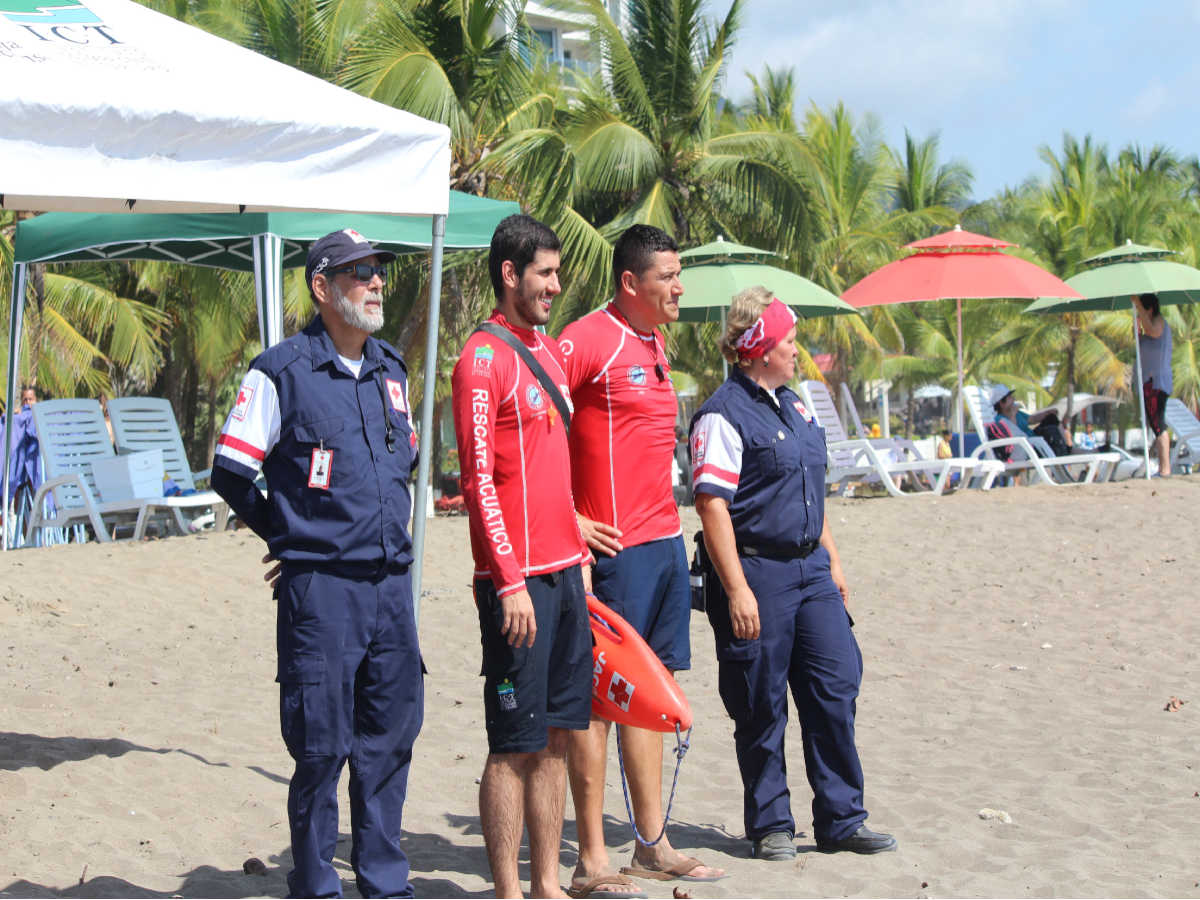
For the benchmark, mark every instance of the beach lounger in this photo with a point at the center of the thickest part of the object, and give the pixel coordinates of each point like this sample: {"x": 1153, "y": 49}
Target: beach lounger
{"x": 858, "y": 460}
{"x": 148, "y": 423}
{"x": 1090, "y": 465}
{"x": 71, "y": 436}
{"x": 1186, "y": 426}
{"x": 905, "y": 448}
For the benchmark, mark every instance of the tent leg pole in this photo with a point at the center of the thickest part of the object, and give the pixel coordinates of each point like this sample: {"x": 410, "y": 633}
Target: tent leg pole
{"x": 1137, "y": 387}
{"x": 724, "y": 361}
{"x": 420, "y": 505}
{"x": 959, "y": 415}
{"x": 16, "y": 316}
{"x": 268, "y": 287}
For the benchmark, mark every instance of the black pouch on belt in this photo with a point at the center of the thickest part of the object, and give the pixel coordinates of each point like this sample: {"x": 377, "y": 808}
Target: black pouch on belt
{"x": 698, "y": 573}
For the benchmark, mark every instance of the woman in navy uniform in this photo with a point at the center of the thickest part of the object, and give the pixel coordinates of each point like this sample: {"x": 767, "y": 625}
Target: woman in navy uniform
{"x": 776, "y": 595}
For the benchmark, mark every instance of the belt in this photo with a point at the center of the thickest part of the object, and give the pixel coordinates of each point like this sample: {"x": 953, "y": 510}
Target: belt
{"x": 796, "y": 552}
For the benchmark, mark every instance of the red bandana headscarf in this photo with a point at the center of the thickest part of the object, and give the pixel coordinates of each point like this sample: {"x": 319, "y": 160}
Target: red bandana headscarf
{"x": 771, "y": 328}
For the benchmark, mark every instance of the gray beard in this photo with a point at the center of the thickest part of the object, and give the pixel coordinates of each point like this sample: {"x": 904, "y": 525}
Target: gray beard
{"x": 357, "y": 316}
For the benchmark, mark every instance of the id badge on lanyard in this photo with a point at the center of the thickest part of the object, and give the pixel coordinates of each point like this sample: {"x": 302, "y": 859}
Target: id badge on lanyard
{"x": 320, "y": 470}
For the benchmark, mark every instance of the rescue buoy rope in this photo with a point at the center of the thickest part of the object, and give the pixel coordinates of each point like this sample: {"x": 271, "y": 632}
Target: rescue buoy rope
{"x": 681, "y": 748}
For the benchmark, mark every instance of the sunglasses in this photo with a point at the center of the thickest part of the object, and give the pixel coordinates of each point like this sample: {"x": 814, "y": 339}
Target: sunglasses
{"x": 362, "y": 271}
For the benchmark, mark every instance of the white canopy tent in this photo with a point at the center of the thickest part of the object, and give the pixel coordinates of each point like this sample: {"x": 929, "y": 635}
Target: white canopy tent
{"x": 111, "y": 107}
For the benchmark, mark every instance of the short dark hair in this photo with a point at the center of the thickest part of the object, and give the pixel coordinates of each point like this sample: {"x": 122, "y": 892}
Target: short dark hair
{"x": 1150, "y": 301}
{"x": 635, "y": 249}
{"x": 518, "y": 238}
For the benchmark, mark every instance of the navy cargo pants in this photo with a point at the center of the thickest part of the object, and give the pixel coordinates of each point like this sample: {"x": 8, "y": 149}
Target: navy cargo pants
{"x": 350, "y": 688}
{"x": 805, "y": 642}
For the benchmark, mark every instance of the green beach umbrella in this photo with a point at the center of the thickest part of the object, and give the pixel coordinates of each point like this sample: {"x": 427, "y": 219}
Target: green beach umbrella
{"x": 713, "y": 273}
{"x": 1112, "y": 279}
{"x": 722, "y": 248}
{"x": 709, "y": 287}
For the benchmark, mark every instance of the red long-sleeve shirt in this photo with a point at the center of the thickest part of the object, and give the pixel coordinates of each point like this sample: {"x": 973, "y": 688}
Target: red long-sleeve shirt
{"x": 514, "y": 459}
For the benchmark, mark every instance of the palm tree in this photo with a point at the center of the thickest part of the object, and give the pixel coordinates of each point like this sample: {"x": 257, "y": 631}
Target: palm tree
{"x": 641, "y": 142}
{"x": 80, "y": 320}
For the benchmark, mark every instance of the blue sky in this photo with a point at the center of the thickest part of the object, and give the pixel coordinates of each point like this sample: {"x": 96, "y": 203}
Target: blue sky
{"x": 997, "y": 80}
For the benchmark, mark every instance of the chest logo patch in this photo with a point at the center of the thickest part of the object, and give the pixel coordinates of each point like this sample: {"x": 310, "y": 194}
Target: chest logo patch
{"x": 533, "y": 396}
{"x": 637, "y": 376}
{"x": 395, "y": 391}
{"x": 800, "y": 408}
{"x": 245, "y": 395}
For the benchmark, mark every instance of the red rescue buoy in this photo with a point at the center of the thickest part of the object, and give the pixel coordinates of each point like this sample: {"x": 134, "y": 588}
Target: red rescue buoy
{"x": 630, "y": 685}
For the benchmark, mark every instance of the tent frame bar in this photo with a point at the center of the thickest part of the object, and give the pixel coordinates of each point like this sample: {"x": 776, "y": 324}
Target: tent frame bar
{"x": 16, "y": 316}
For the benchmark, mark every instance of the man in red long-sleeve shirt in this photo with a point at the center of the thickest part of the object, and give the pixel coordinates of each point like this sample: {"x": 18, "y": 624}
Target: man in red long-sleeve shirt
{"x": 530, "y": 560}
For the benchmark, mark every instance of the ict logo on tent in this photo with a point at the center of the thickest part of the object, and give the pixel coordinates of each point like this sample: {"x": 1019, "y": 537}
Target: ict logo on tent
{"x": 47, "y": 12}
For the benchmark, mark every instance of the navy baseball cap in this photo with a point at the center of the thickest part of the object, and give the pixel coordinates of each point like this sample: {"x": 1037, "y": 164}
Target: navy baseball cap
{"x": 338, "y": 248}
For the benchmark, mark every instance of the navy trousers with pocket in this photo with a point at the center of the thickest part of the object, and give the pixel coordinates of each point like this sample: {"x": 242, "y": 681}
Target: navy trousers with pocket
{"x": 350, "y": 688}
{"x": 805, "y": 643}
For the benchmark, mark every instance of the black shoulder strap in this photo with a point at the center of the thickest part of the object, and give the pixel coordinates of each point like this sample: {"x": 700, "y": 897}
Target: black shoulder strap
{"x": 534, "y": 366}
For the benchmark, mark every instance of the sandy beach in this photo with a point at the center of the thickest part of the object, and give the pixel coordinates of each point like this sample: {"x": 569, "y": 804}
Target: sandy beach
{"x": 1020, "y": 649}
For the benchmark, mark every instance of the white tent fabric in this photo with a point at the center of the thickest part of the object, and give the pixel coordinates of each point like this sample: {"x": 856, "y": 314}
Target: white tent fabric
{"x": 111, "y": 106}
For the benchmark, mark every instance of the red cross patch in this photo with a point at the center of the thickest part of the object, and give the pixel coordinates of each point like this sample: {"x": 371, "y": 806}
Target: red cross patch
{"x": 800, "y": 408}
{"x": 396, "y": 393}
{"x": 620, "y": 691}
{"x": 245, "y": 395}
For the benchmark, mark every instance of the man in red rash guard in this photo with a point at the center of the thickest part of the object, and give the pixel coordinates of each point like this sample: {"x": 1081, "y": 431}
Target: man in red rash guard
{"x": 622, "y": 446}
{"x": 530, "y": 561}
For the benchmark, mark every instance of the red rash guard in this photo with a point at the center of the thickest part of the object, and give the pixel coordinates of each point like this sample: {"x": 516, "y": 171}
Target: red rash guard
{"x": 623, "y": 430}
{"x": 515, "y": 463}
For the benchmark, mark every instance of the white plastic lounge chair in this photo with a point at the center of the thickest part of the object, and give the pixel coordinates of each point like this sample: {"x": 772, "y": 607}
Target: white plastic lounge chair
{"x": 72, "y": 435}
{"x": 1186, "y": 426}
{"x": 904, "y": 448}
{"x": 148, "y": 423}
{"x": 1101, "y": 464}
{"x": 858, "y": 460}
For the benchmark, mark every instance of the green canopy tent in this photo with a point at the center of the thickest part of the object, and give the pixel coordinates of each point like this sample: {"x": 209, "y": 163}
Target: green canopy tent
{"x": 262, "y": 243}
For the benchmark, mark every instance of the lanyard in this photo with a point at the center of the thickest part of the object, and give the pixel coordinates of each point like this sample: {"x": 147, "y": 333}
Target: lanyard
{"x": 388, "y": 440}
{"x": 616, "y": 313}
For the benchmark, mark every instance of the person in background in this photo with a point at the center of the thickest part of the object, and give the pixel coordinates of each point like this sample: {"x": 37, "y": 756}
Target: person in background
{"x": 775, "y": 592}
{"x": 1088, "y": 441}
{"x": 1043, "y": 430}
{"x": 943, "y": 449}
{"x": 1154, "y": 344}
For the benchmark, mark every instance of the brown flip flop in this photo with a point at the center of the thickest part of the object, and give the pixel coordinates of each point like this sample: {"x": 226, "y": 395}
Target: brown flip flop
{"x": 677, "y": 871}
{"x": 628, "y": 890}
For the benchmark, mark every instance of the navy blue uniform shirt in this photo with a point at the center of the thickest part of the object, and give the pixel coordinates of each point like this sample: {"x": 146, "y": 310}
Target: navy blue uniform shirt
{"x": 299, "y": 397}
{"x": 766, "y": 459}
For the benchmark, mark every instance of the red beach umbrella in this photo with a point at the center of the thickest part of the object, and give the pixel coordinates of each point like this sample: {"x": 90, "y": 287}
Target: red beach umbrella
{"x": 956, "y": 265}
